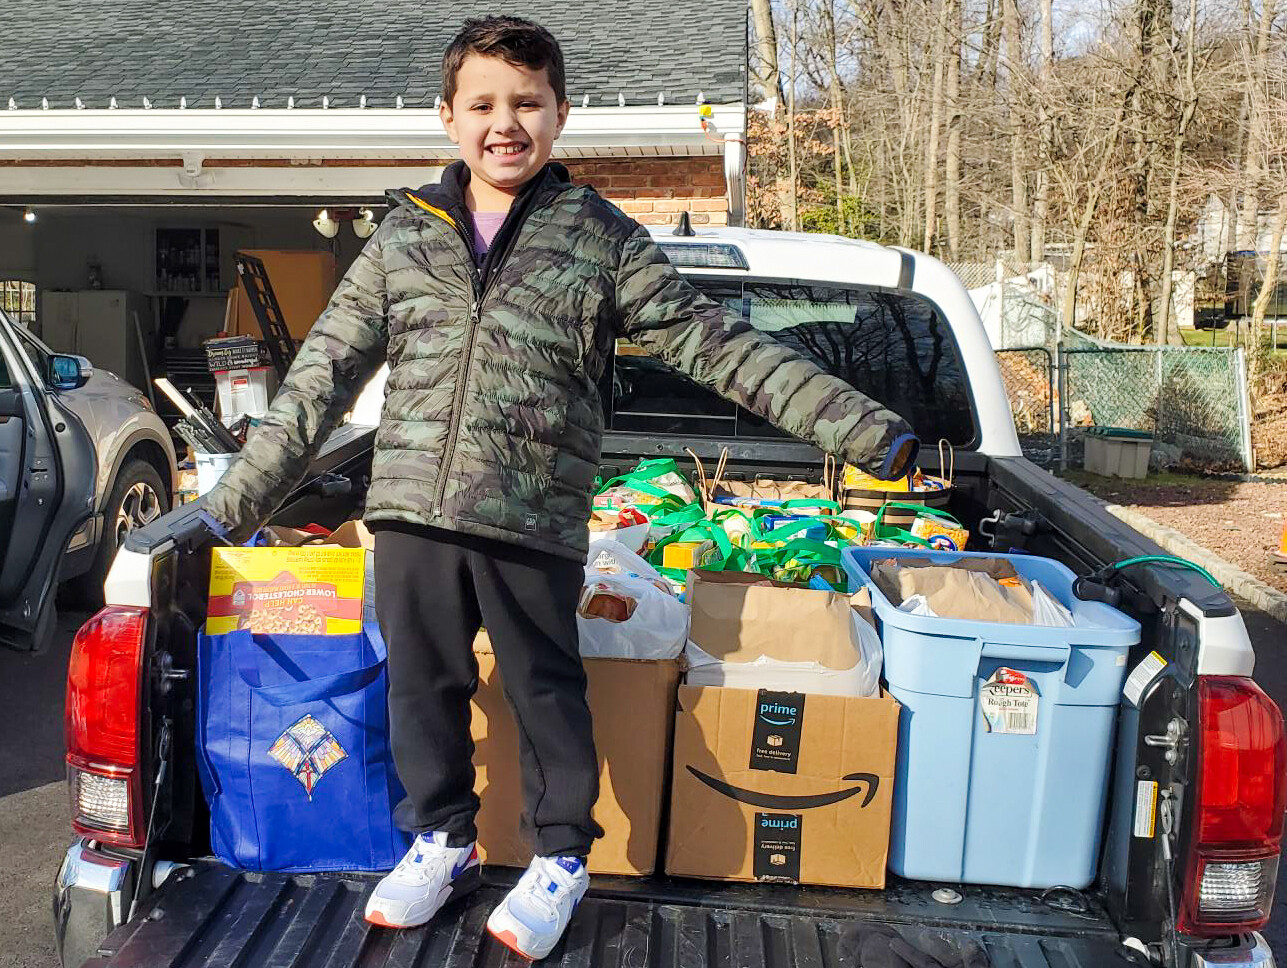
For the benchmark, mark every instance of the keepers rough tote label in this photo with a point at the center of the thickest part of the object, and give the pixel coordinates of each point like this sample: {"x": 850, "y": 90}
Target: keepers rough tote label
{"x": 775, "y": 743}
{"x": 777, "y": 846}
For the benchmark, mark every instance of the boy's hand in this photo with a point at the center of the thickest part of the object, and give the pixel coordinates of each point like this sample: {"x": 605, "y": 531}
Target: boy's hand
{"x": 902, "y": 458}
{"x": 213, "y": 524}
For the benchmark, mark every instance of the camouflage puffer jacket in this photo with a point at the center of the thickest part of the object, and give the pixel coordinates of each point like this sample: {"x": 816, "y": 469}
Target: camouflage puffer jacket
{"x": 492, "y": 420}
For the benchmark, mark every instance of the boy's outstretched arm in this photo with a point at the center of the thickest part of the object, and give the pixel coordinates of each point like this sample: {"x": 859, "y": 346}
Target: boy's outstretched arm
{"x": 665, "y": 315}
{"x": 345, "y": 346}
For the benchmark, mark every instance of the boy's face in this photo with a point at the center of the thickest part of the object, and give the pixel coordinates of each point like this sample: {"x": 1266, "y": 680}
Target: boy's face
{"x": 506, "y": 120}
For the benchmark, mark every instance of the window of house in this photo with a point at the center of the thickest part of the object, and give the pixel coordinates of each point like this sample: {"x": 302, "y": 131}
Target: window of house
{"x": 18, "y": 300}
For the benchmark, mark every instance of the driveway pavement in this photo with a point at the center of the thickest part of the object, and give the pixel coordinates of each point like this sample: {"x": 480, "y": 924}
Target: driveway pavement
{"x": 34, "y": 829}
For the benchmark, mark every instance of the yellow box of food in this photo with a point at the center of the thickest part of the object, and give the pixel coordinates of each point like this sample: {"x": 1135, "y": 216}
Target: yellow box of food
{"x": 688, "y": 554}
{"x": 293, "y": 591}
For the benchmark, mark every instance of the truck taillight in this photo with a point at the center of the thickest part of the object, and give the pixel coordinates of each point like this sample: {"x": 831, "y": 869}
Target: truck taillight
{"x": 103, "y": 719}
{"x": 1240, "y": 797}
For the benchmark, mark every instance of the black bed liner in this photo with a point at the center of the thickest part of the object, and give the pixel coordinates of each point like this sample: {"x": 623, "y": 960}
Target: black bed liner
{"x": 212, "y": 916}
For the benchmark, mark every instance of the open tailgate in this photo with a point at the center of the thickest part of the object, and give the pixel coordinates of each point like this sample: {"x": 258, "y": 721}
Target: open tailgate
{"x": 217, "y": 916}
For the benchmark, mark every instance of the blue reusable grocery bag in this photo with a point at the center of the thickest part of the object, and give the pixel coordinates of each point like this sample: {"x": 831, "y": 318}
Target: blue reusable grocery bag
{"x": 294, "y": 757}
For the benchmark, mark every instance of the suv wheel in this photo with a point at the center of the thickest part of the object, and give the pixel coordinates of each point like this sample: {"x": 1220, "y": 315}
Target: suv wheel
{"x": 138, "y": 497}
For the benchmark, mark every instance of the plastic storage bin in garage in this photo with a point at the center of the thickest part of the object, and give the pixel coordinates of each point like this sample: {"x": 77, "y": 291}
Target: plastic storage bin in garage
{"x": 1010, "y": 808}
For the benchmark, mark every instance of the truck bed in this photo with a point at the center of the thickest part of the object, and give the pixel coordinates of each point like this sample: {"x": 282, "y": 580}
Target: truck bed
{"x": 210, "y": 915}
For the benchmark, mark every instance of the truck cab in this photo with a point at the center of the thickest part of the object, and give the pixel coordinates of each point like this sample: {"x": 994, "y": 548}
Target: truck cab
{"x": 1185, "y": 876}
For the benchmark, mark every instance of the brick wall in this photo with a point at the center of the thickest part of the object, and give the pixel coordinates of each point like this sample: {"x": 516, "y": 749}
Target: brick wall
{"x": 654, "y": 191}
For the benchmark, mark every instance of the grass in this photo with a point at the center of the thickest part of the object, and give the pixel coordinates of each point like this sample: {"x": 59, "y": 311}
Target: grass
{"x": 1168, "y": 479}
{"x": 1232, "y": 336}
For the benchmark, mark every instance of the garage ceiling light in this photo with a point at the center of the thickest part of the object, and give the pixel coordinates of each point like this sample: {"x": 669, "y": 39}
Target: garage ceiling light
{"x": 325, "y": 225}
{"x": 29, "y": 216}
{"x": 364, "y": 225}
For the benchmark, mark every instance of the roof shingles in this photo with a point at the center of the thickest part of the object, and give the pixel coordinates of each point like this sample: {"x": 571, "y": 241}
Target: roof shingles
{"x": 239, "y": 49}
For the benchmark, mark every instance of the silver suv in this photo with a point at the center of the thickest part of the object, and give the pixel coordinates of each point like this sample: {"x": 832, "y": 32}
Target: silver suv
{"x": 84, "y": 460}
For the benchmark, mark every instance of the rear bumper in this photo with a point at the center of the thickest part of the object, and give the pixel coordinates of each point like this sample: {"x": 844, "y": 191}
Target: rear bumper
{"x": 1251, "y": 951}
{"x": 92, "y": 897}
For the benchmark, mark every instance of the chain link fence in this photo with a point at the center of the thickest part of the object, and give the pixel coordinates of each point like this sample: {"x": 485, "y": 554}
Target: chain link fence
{"x": 976, "y": 275}
{"x": 1192, "y": 399}
{"x": 1029, "y": 377}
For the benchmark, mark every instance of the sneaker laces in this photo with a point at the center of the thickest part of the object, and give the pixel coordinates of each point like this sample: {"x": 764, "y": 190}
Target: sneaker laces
{"x": 538, "y": 892}
{"x": 425, "y": 864}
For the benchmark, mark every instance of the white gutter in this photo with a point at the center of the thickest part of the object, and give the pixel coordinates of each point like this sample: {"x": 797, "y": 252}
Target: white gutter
{"x": 414, "y": 134}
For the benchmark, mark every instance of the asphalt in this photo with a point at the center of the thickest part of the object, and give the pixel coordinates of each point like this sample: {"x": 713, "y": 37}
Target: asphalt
{"x": 34, "y": 829}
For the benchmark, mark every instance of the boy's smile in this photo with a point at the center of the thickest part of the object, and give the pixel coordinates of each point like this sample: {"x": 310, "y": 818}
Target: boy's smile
{"x": 506, "y": 119}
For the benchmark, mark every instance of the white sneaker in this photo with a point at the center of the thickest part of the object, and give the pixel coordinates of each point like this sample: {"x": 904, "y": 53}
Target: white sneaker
{"x": 430, "y": 875}
{"x": 536, "y": 912}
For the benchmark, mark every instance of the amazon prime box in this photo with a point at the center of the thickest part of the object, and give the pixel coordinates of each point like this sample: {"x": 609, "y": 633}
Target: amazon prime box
{"x": 782, "y": 786}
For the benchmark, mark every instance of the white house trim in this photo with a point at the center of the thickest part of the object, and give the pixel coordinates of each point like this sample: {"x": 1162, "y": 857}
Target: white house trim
{"x": 415, "y": 134}
{"x": 334, "y": 183}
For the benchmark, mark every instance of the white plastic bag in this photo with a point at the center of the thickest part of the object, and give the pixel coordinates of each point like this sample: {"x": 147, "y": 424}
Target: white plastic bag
{"x": 633, "y": 537}
{"x": 645, "y": 620}
{"x": 917, "y": 605}
{"x": 1048, "y": 610}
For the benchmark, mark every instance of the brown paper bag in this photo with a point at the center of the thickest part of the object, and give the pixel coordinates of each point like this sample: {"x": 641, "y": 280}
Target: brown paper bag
{"x": 764, "y": 487}
{"x": 740, "y": 616}
{"x": 969, "y": 592}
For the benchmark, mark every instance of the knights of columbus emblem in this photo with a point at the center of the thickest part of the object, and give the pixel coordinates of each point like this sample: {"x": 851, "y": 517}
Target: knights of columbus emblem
{"x": 308, "y": 750}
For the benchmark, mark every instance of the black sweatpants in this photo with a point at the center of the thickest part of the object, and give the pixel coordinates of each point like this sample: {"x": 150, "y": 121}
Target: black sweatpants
{"x": 433, "y": 590}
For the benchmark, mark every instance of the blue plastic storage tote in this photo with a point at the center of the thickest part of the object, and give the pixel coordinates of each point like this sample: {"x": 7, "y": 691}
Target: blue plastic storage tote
{"x": 977, "y": 804}
{"x": 293, "y": 752}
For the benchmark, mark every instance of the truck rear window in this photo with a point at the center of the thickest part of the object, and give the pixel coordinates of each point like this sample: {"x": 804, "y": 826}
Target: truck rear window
{"x": 893, "y": 346}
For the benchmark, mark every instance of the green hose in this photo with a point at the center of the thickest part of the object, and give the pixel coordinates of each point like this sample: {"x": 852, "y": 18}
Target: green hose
{"x": 1165, "y": 560}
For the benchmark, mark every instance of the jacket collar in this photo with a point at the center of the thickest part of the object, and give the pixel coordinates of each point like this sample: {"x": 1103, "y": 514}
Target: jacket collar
{"x": 446, "y": 198}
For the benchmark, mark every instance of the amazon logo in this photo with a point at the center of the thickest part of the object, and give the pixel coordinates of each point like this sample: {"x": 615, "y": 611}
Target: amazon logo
{"x": 865, "y": 783}
{"x": 782, "y": 715}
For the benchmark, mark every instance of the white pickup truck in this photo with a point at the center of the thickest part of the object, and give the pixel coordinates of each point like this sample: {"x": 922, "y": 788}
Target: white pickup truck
{"x": 138, "y": 886}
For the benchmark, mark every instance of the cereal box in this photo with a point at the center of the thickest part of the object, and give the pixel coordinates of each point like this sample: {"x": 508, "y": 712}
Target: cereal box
{"x": 294, "y": 591}
{"x": 941, "y": 535}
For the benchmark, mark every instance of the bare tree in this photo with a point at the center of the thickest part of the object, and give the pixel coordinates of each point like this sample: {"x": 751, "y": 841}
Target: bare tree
{"x": 1189, "y": 107}
{"x": 1019, "y": 213}
{"x": 765, "y": 64}
{"x": 1045, "y": 127}
{"x": 952, "y": 159}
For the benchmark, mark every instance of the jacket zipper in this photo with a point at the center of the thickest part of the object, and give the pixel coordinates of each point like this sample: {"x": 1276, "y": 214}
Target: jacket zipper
{"x": 481, "y": 288}
{"x": 462, "y": 376}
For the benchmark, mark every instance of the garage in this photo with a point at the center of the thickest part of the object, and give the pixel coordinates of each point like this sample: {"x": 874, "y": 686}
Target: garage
{"x": 126, "y": 192}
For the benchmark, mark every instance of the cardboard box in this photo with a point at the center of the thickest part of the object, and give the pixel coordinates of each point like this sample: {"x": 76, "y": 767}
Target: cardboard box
{"x": 302, "y": 280}
{"x": 779, "y": 786}
{"x": 632, "y": 703}
{"x": 299, "y": 591}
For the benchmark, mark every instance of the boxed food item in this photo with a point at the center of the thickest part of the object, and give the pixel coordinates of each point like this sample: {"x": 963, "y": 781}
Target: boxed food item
{"x": 285, "y": 590}
{"x": 782, "y": 786}
{"x": 633, "y": 704}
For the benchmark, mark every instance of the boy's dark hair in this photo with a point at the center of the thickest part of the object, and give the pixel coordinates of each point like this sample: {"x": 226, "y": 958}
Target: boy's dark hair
{"x": 514, "y": 40}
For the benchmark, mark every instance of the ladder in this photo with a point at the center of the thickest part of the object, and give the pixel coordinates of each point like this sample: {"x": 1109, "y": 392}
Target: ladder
{"x": 259, "y": 290}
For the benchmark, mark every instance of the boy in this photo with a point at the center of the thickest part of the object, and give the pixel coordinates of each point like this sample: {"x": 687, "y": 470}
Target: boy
{"x": 496, "y": 297}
